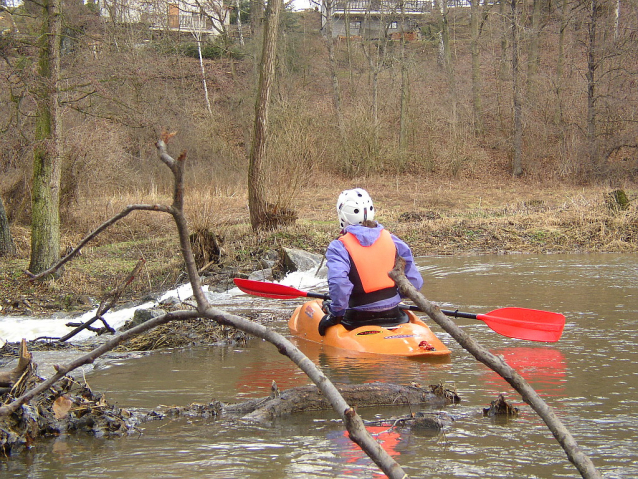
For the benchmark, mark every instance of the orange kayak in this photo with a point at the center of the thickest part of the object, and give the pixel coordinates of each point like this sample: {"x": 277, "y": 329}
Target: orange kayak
{"x": 412, "y": 339}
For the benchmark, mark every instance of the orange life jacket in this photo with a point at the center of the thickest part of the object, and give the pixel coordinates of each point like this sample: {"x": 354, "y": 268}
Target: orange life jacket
{"x": 370, "y": 268}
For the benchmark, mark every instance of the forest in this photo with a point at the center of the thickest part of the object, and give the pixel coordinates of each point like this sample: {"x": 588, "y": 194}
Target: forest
{"x": 543, "y": 90}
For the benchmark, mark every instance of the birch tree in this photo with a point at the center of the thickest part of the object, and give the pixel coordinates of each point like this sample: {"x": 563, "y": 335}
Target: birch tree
{"x": 198, "y": 34}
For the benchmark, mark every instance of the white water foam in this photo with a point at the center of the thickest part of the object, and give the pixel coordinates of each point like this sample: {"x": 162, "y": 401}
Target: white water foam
{"x": 16, "y": 328}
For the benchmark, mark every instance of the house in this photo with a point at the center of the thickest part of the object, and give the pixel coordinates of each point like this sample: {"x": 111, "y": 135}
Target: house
{"x": 205, "y": 17}
{"x": 373, "y": 19}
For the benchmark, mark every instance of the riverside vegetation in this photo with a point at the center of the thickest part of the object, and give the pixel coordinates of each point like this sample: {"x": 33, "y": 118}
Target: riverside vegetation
{"x": 434, "y": 215}
{"x": 444, "y": 184}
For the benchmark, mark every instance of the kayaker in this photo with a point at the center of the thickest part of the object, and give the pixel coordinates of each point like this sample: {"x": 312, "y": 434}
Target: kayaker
{"x": 361, "y": 292}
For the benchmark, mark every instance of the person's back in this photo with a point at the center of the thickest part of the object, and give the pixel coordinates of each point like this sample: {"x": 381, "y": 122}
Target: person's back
{"x": 358, "y": 262}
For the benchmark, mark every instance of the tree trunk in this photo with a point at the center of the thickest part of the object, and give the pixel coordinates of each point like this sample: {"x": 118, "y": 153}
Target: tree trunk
{"x": 336, "y": 91}
{"x": 617, "y": 21}
{"x": 503, "y": 63}
{"x": 256, "y": 15}
{"x": 45, "y": 219}
{"x": 8, "y": 378}
{"x": 533, "y": 56}
{"x": 239, "y": 26}
{"x": 7, "y": 248}
{"x": 446, "y": 51}
{"x": 405, "y": 91}
{"x": 256, "y": 187}
{"x": 560, "y": 62}
{"x": 517, "y": 163}
{"x": 198, "y": 37}
{"x": 476, "y": 67}
{"x": 590, "y": 75}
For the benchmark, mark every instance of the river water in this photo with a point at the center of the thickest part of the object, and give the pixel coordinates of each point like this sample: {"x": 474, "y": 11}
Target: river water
{"x": 589, "y": 377}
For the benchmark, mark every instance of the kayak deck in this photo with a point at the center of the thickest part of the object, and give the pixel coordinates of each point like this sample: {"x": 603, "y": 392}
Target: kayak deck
{"x": 409, "y": 339}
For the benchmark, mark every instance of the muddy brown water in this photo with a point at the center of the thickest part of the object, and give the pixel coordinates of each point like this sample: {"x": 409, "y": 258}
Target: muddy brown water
{"x": 589, "y": 377}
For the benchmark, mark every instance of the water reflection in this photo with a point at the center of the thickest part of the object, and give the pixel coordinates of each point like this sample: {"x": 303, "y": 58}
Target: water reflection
{"x": 352, "y": 367}
{"x": 544, "y": 368}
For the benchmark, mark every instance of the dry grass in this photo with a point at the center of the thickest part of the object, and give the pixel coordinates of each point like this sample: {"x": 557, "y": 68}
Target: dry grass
{"x": 435, "y": 216}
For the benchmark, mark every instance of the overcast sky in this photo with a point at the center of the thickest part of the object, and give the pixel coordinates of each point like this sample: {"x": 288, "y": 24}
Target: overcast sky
{"x": 301, "y": 4}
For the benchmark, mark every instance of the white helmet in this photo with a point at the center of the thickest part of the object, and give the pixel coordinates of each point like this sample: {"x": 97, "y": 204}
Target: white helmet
{"x": 354, "y": 207}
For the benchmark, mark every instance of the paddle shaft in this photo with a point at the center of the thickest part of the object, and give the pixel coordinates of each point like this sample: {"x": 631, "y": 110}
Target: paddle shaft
{"x": 520, "y": 323}
{"x": 283, "y": 292}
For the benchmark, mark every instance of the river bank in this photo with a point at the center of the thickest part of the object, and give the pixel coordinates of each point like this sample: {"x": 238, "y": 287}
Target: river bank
{"x": 435, "y": 217}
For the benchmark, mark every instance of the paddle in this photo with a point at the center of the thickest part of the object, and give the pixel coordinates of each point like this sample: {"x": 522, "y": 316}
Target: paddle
{"x": 519, "y": 323}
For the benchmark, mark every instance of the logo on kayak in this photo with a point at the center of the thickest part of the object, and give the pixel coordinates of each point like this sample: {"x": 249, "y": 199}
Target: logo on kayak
{"x": 310, "y": 312}
{"x": 366, "y": 333}
{"x": 399, "y": 336}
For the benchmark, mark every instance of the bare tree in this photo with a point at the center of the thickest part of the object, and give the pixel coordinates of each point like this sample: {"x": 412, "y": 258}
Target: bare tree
{"x": 327, "y": 10}
{"x": 239, "y": 24}
{"x": 517, "y": 161}
{"x": 476, "y": 19}
{"x": 198, "y": 34}
{"x": 217, "y": 14}
{"x": 591, "y": 75}
{"x": 405, "y": 89}
{"x": 445, "y": 53}
{"x": 256, "y": 15}
{"x": 560, "y": 61}
{"x": 45, "y": 221}
{"x": 256, "y": 187}
{"x": 533, "y": 57}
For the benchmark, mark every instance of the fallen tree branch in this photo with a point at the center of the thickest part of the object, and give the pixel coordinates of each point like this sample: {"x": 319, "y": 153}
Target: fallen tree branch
{"x": 9, "y": 378}
{"x": 129, "y": 209}
{"x": 353, "y": 422}
{"x": 91, "y": 356}
{"x": 498, "y": 364}
{"x": 107, "y": 303}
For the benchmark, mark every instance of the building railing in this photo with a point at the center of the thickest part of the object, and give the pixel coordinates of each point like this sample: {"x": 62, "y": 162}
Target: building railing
{"x": 387, "y": 6}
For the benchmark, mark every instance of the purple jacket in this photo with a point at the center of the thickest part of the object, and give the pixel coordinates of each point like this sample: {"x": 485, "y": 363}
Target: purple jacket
{"x": 338, "y": 263}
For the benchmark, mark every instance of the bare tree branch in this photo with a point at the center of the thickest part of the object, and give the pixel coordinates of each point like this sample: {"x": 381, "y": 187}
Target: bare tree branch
{"x": 498, "y": 364}
{"x": 108, "y": 302}
{"x": 102, "y": 227}
{"x": 352, "y": 421}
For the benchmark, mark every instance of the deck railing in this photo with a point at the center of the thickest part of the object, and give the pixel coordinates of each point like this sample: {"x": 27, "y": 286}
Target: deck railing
{"x": 378, "y": 6}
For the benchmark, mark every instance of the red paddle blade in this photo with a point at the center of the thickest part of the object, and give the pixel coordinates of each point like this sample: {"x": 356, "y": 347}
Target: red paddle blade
{"x": 523, "y": 323}
{"x": 268, "y": 290}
